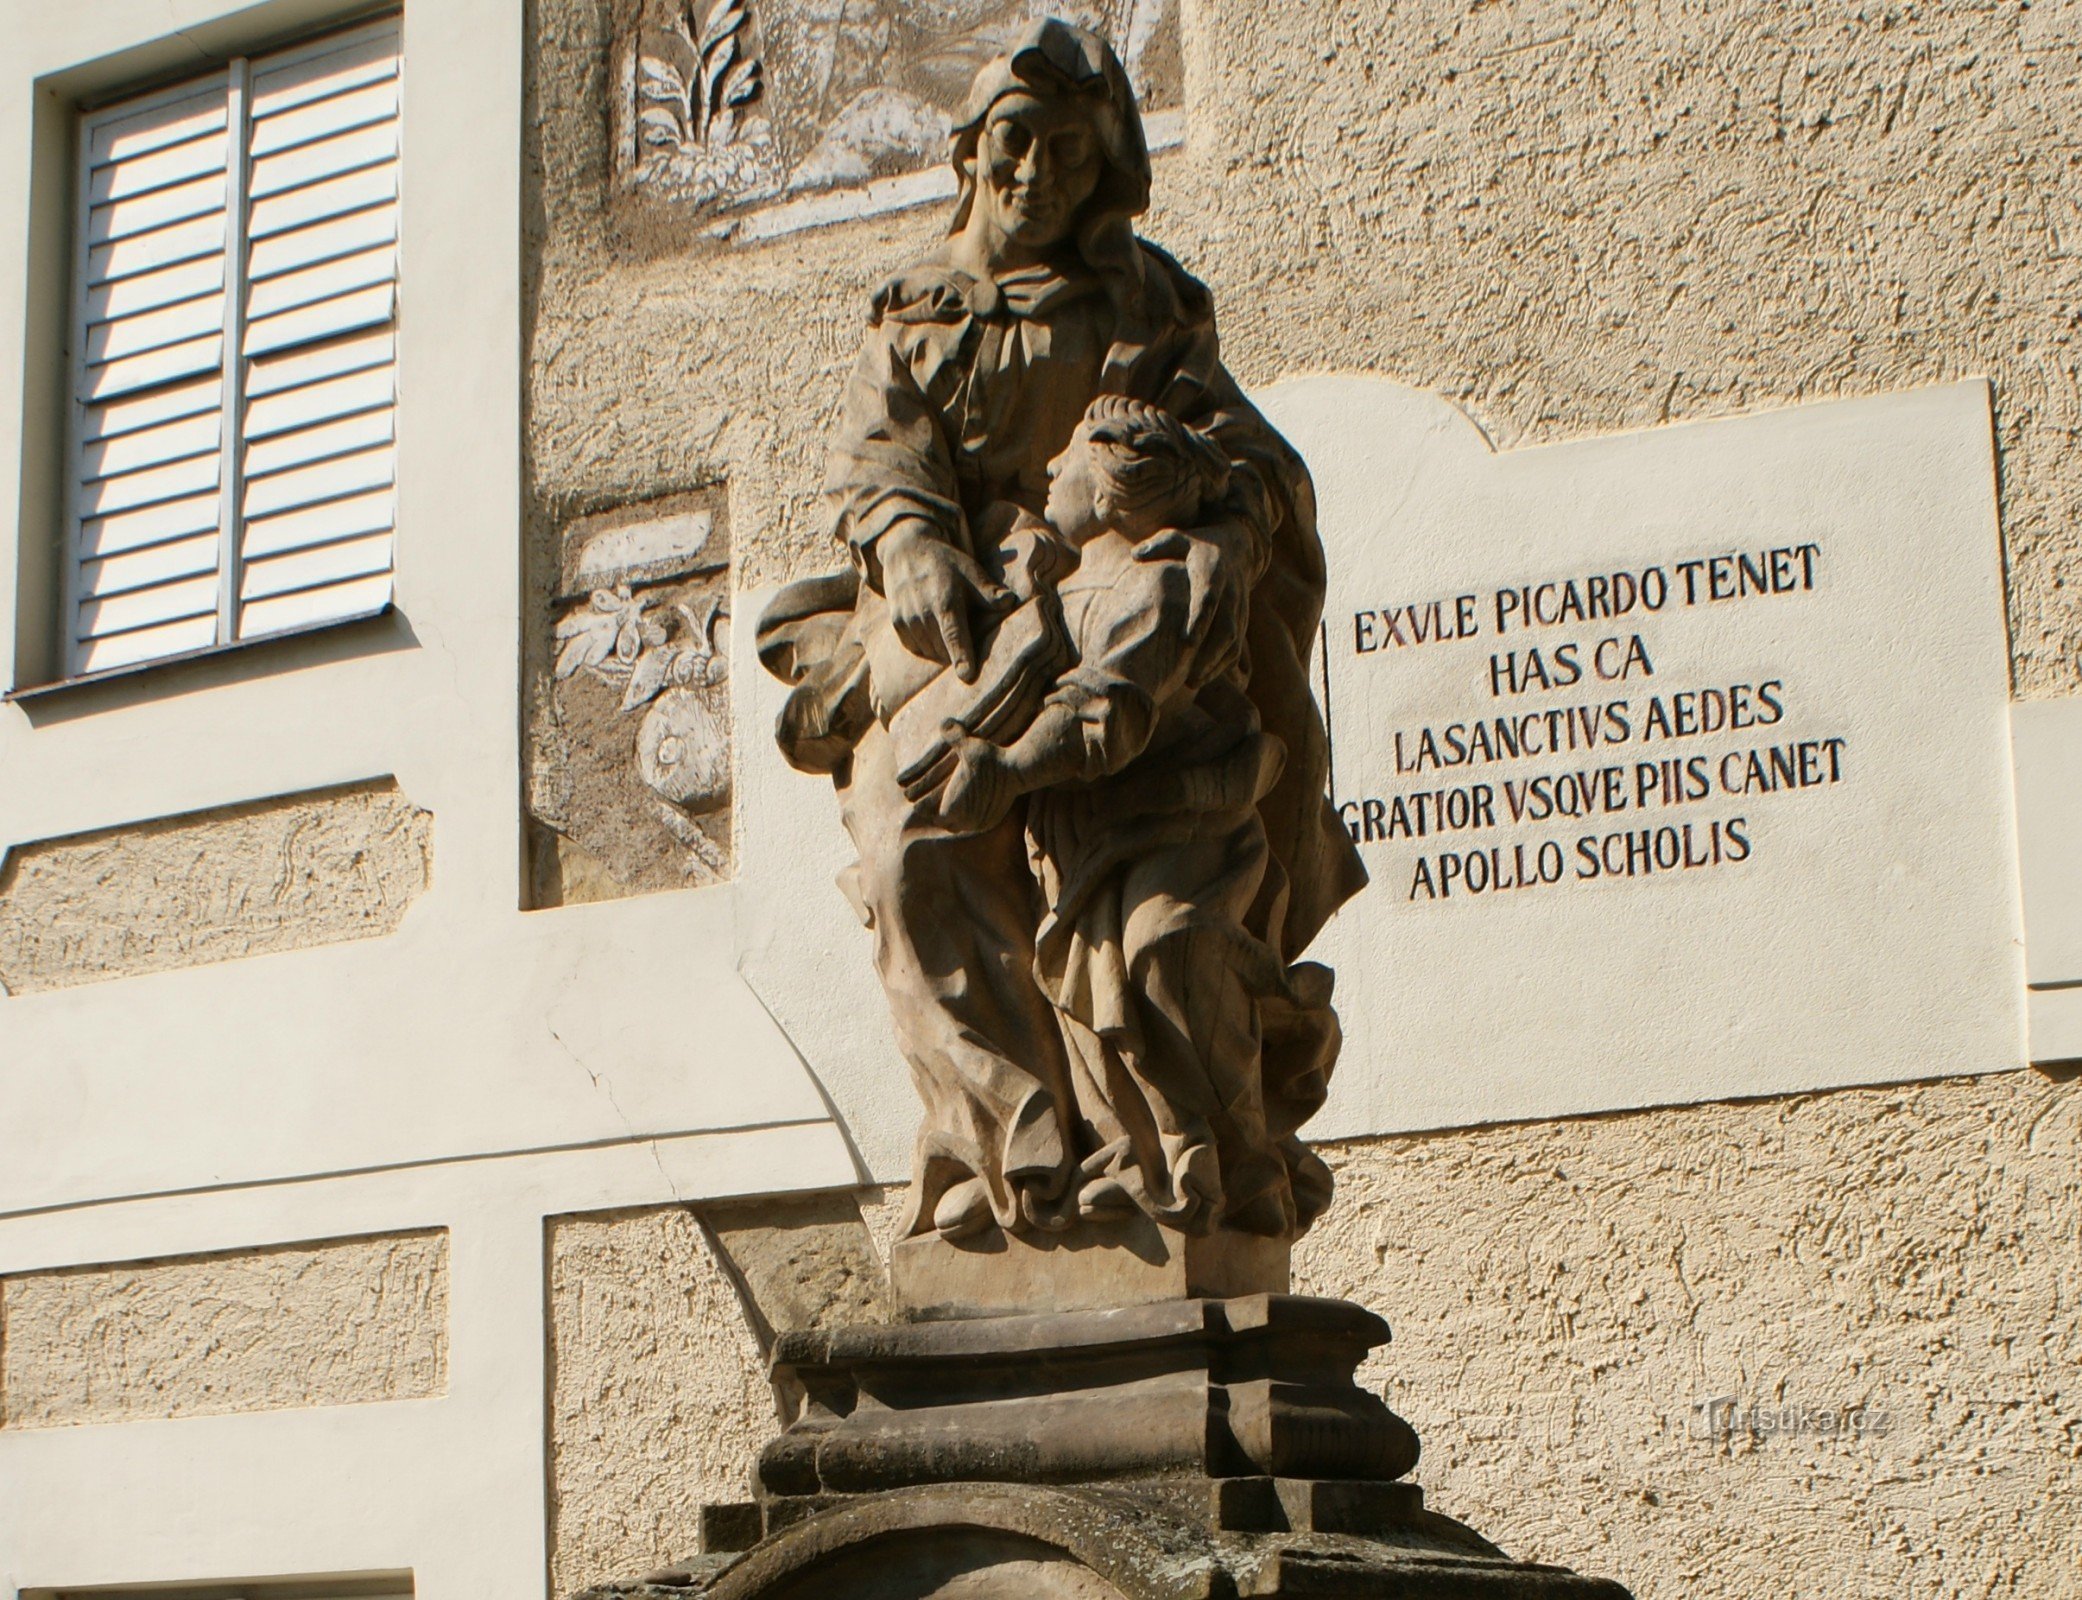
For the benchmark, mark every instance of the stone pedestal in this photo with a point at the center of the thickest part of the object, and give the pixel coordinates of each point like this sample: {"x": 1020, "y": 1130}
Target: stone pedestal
{"x": 1187, "y": 1450}
{"x": 1210, "y": 1388}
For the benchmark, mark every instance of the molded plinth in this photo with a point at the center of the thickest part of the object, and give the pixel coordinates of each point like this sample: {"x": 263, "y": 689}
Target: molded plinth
{"x": 1259, "y": 1386}
{"x": 1195, "y": 1450}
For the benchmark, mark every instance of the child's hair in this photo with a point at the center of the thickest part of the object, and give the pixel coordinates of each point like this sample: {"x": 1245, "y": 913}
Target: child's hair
{"x": 1151, "y": 465}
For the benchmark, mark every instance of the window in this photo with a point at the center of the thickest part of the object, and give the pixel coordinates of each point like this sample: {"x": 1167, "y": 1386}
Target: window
{"x": 234, "y": 355}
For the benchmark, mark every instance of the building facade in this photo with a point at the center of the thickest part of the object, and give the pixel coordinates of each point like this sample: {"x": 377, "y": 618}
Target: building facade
{"x": 432, "y": 1060}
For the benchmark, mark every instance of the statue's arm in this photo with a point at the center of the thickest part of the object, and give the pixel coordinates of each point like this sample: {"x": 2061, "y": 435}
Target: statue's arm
{"x": 890, "y": 466}
{"x": 891, "y": 477}
{"x": 1135, "y": 655}
{"x": 1171, "y": 622}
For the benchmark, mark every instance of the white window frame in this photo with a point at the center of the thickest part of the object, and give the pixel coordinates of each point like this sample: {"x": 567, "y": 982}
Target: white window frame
{"x": 235, "y": 77}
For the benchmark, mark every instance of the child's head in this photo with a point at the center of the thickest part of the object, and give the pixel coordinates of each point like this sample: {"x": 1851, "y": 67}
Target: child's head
{"x": 1133, "y": 466}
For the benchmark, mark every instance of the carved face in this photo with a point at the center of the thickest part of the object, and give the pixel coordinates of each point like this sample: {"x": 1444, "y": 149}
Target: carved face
{"x": 1074, "y": 490}
{"x": 1039, "y": 162}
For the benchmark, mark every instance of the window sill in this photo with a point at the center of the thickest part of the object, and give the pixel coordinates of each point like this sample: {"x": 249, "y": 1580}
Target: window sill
{"x": 38, "y": 694}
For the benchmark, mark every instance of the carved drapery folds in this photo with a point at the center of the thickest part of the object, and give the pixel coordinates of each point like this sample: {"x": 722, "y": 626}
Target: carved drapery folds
{"x": 1091, "y": 868}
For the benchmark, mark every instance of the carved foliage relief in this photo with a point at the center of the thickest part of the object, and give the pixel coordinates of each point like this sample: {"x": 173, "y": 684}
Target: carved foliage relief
{"x": 727, "y": 104}
{"x": 631, "y": 774}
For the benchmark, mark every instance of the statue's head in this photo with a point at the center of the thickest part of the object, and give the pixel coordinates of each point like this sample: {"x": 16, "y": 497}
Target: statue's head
{"x": 1050, "y": 148}
{"x": 1135, "y": 467}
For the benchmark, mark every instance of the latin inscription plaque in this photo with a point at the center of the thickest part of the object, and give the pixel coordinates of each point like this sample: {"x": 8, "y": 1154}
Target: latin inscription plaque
{"x": 1678, "y": 758}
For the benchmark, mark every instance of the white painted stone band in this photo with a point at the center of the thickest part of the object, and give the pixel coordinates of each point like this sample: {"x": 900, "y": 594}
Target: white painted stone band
{"x": 2046, "y": 737}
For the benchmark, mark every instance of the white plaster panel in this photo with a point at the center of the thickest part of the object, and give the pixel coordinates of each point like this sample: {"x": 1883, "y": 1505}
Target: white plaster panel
{"x": 801, "y": 947}
{"x": 1874, "y": 932}
{"x": 450, "y": 1488}
{"x": 2046, "y": 743}
{"x": 2056, "y": 1025}
{"x": 476, "y": 1028}
{"x": 499, "y": 1032}
{"x": 1861, "y": 927}
{"x": 640, "y": 1172}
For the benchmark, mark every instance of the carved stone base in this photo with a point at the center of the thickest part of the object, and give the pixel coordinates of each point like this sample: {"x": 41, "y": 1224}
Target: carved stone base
{"x": 1260, "y": 1386}
{"x": 1093, "y": 1267}
{"x": 1195, "y": 1450}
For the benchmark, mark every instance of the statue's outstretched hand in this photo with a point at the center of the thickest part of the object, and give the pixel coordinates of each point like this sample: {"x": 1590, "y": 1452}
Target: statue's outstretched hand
{"x": 933, "y": 589}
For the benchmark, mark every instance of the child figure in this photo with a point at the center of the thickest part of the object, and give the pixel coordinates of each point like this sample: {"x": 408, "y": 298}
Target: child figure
{"x": 1195, "y": 1050}
{"x": 1150, "y": 616}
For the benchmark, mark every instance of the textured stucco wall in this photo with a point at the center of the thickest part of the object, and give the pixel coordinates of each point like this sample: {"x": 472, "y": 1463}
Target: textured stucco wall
{"x": 327, "y": 1324}
{"x": 1562, "y": 1294}
{"x": 658, "y": 1395}
{"x": 1571, "y": 218}
{"x": 279, "y": 874}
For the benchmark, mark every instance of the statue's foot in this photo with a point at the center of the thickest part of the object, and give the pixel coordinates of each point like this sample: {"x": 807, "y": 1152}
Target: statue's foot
{"x": 964, "y": 1211}
{"x": 1104, "y": 1199}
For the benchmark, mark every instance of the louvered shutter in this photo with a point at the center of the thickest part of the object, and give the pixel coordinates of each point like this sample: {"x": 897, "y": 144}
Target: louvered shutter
{"x": 238, "y": 259}
{"x": 149, "y": 356}
{"x": 320, "y": 343}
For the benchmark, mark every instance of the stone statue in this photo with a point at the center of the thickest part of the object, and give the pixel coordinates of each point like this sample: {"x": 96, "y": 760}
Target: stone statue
{"x": 1062, "y": 693}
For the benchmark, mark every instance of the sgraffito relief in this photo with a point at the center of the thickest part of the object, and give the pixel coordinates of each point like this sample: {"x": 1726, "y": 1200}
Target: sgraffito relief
{"x": 333, "y": 1322}
{"x": 630, "y": 788}
{"x": 729, "y": 104}
{"x": 693, "y": 92}
{"x": 285, "y": 873}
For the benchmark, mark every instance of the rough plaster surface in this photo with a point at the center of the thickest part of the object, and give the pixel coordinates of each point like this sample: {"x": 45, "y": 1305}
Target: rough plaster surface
{"x": 280, "y": 874}
{"x": 808, "y": 1262}
{"x": 1563, "y": 1293}
{"x": 337, "y": 1323}
{"x": 882, "y": 1210}
{"x": 1569, "y": 218}
{"x": 658, "y": 1395}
